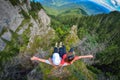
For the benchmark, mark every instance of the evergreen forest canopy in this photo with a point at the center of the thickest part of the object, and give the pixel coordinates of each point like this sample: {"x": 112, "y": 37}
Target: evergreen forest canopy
{"x": 103, "y": 37}
{"x": 104, "y": 28}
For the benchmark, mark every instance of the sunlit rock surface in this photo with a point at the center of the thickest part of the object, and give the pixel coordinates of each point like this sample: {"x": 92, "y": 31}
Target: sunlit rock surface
{"x": 9, "y": 15}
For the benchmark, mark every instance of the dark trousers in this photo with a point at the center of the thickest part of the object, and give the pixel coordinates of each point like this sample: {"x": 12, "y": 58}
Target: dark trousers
{"x": 61, "y": 50}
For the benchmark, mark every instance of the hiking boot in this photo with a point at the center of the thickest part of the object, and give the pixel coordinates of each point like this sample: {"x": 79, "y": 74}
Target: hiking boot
{"x": 56, "y": 44}
{"x": 60, "y": 45}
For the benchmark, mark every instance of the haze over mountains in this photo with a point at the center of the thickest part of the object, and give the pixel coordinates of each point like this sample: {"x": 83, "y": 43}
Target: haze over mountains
{"x": 88, "y": 6}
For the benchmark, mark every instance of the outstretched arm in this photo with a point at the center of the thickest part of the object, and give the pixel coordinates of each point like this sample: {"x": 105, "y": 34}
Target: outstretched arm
{"x": 80, "y": 57}
{"x": 38, "y": 59}
{"x": 43, "y": 60}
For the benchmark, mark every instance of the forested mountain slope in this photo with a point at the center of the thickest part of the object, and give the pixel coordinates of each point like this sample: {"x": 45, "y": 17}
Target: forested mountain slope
{"x": 27, "y": 30}
{"x": 99, "y": 35}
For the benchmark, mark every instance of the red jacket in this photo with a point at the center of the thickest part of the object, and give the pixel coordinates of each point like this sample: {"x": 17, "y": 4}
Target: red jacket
{"x": 63, "y": 59}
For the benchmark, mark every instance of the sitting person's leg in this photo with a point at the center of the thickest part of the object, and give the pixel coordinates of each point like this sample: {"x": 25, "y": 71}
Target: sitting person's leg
{"x": 55, "y": 48}
{"x": 62, "y": 50}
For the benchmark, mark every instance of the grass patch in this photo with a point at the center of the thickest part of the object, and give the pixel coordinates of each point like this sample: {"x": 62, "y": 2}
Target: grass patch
{"x": 80, "y": 70}
{"x": 11, "y": 49}
{"x": 25, "y": 15}
{"x": 34, "y": 14}
{"x": 14, "y": 2}
{"x": 25, "y": 21}
{"x": 25, "y": 38}
{"x": 35, "y": 7}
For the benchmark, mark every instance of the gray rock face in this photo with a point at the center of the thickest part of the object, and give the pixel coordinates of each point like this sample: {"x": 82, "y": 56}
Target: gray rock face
{"x": 10, "y": 19}
{"x": 41, "y": 29}
{"x": 44, "y": 17}
{"x": 9, "y": 15}
{"x": 22, "y": 29}
{"x": 28, "y": 4}
{"x": 1, "y": 27}
{"x": 7, "y": 36}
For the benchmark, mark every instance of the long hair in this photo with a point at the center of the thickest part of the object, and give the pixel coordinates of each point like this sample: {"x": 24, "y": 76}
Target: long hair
{"x": 69, "y": 57}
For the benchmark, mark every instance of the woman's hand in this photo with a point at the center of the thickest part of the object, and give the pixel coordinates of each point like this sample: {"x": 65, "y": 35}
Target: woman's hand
{"x": 34, "y": 58}
{"x": 90, "y": 56}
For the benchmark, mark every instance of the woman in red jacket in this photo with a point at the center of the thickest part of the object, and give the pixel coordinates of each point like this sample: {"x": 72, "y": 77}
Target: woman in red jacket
{"x": 70, "y": 57}
{"x": 68, "y": 60}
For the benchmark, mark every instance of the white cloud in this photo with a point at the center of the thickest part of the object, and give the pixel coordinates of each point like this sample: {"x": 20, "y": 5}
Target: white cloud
{"x": 105, "y": 4}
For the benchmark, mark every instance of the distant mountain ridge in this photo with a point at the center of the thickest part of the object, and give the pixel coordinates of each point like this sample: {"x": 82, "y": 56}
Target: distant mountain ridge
{"x": 91, "y": 7}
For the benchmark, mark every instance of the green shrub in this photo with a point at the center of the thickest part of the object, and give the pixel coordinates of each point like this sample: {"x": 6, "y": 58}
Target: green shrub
{"x": 35, "y": 7}
{"x": 25, "y": 15}
{"x": 14, "y": 2}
